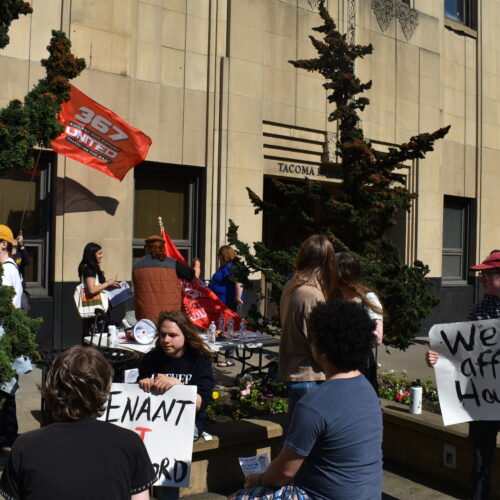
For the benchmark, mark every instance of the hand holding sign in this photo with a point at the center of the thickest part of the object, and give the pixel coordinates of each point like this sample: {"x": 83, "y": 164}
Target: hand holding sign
{"x": 163, "y": 383}
{"x": 164, "y": 422}
{"x": 467, "y": 374}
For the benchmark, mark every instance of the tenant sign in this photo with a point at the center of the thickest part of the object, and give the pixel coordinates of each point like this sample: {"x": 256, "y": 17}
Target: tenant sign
{"x": 164, "y": 422}
{"x": 468, "y": 370}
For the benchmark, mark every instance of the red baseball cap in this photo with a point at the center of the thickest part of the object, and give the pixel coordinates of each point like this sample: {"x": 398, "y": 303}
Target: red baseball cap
{"x": 491, "y": 262}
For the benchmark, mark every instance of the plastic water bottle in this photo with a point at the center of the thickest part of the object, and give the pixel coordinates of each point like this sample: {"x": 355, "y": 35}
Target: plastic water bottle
{"x": 416, "y": 397}
{"x": 211, "y": 332}
{"x": 221, "y": 323}
{"x": 243, "y": 329}
{"x": 112, "y": 336}
{"x": 230, "y": 327}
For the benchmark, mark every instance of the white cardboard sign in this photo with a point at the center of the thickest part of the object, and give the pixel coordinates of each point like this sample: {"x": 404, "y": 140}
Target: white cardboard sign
{"x": 468, "y": 370}
{"x": 164, "y": 422}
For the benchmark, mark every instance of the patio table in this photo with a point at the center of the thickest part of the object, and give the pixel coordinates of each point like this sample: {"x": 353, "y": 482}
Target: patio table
{"x": 252, "y": 343}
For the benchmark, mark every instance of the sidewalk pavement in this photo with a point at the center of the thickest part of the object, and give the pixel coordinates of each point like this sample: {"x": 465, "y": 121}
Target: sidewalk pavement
{"x": 398, "y": 483}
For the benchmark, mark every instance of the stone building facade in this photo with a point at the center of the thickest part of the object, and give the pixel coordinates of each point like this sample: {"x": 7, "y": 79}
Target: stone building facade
{"x": 209, "y": 81}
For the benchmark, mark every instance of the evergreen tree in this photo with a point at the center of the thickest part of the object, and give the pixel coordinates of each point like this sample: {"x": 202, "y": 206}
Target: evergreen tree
{"x": 361, "y": 208}
{"x": 18, "y": 336}
{"x": 9, "y": 11}
{"x": 24, "y": 126}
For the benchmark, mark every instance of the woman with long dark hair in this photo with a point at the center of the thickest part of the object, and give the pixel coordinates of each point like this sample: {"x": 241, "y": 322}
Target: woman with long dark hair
{"x": 179, "y": 357}
{"x": 350, "y": 287}
{"x": 92, "y": 276}
{"x": 312, "y": 282}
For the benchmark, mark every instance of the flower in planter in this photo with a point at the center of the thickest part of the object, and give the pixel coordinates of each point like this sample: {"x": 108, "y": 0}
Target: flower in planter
{"x": 215, "y": 395}
{"x": 402, "y": 397}
{"x": 247, "y": 390}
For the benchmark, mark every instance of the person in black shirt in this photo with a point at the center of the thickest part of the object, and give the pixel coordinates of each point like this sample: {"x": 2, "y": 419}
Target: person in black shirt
{"x": 180, "y": 357}
{"x": 20, "y": 255}
{"x": 78, "y": 457}
{"x": 90, "y": 273}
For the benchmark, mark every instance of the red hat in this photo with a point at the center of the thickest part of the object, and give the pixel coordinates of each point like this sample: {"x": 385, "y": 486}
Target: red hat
{"x": 491, "y": 262}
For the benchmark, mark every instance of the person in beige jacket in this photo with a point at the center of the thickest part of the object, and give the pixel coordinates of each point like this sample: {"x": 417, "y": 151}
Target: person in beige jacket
{"x": 312, "y": 282}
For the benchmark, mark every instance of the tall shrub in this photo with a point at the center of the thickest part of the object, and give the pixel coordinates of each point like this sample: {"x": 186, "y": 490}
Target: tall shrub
{"x": 358, "y": 214}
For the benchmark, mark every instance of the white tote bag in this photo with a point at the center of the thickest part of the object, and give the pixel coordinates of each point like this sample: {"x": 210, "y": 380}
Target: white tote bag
{"x": 87, "y": 305}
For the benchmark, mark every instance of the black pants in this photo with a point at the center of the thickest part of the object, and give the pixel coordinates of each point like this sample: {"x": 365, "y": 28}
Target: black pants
{"x": 370, "y": 371}
{"x": 483, "y": 434}
{"x": 8, "y": 419}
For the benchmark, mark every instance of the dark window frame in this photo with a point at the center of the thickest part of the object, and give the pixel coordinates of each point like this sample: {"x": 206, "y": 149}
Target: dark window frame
{"x": 466, "y": 208}
{"x": 466, "y": 12}
{"x": 189, "y": 247}
{"x": 41, "y": 243}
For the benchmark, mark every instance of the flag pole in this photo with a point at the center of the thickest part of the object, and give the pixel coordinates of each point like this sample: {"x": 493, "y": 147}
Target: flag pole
{"x": 160, "y": 223}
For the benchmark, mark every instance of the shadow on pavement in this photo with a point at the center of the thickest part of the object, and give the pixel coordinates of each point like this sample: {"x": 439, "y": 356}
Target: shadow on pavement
{"x": 448, "y": 490}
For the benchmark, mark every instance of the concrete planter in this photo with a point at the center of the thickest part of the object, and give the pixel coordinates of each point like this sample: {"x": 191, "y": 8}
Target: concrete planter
{"x": 417, "y": 442}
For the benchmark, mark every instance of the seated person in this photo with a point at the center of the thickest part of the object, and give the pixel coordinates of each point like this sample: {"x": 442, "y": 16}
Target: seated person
{"x": 179, "y": 357}
{"x": 78, "y": 456}
{"x": 333, "y": 448}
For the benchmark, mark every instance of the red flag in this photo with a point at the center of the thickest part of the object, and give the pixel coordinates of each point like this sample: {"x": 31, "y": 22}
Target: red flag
{"x": 199, "y": 303}
{"x": 96, "y": 136}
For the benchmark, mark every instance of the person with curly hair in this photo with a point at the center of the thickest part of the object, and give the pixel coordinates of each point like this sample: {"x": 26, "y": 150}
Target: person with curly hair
{"x": 179, "y": 357}
{"x": 333, "y": 448}
{"x": 312, "y": 282}
{"x": 78, "y": 456}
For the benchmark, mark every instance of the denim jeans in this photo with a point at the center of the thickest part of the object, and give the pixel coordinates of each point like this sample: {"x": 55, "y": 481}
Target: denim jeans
{"x": 296, "y": 390}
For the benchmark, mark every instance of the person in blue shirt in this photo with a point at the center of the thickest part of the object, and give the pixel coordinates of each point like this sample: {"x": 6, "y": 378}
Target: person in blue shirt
{"x": 333, "y": 448}
{"x": 223, "y": 282}
{"x": 227, "y": 288}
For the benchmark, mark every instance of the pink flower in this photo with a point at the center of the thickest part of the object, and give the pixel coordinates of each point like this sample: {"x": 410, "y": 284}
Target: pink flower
{"x": 398, "y": 396}
{"x": 246, "y": 391}
{"x": 406, "y": 394}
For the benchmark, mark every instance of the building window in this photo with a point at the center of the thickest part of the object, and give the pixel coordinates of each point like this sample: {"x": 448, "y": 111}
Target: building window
{"x": 462, "y": 11}
{"x": 171, "y": 193}
{"x": 455, "y": 239}
{"x": 26, "y": 205}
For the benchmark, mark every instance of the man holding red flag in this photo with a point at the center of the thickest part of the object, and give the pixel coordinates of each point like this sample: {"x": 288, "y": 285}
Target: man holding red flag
{"x": 157, "y": 281}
